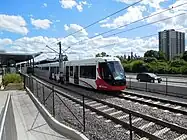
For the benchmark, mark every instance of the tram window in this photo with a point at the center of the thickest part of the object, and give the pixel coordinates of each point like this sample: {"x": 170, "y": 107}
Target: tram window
{"x": 71, "y": 70}
{"x": 57, "y": 69}
{"x": 105, "y": 72}
{"x": 52, "y": 69}
{"x": 88, "y": 72}
{"x": 45, "y": 68}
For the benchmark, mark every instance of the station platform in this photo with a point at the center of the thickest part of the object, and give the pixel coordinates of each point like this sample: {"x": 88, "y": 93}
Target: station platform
{"x": 30, "y": 125}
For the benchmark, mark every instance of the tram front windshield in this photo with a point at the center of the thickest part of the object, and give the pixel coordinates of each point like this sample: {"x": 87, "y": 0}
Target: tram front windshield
{"x": 116, "y": 69}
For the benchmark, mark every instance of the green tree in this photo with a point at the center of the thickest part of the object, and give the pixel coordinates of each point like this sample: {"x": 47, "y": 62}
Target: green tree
{"x": 161, "y": 56}
{"x": 138, "y": 66}
{"x": 184, "y": 69}
{"x": 184, "y": 56}
{"x": 177, "y": 63}
{"x": 98, "y": 55}
{"x": 121, "y": 58}
{"x": 151, "y": 53}
{"x": 103, "y": 54}
{"x": 129, "y": 58}
{"x": 149, "y": 59}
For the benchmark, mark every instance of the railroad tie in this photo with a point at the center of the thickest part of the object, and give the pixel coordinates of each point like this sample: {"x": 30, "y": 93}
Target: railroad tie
{"x": 162, "y": 131}
{"x": 114, "y": 113}
{"x": 91, "y": 102}
{"x": 124, "y": 116}
{"x": 101, "y": 107}
{"x": 107, "y": 121}
{"x": 134, "y": 97}
{"x": 144, "y": 138}
{"x": 99, "y": 117}
{"x": 95, "y": 104}
{"x": 148, "y": 100}
{"x": 136, "y": 120}
{"x": 146, "y": 125}
{"x": 181, "y": 137}
{"x": 107, "y": 109}
{"x": 177, "y": 107}
{"x": 92, "y": 113}
{"x": 117, "y": 126}
{"x": 166, "y": 104}
{"x": 156, "y": 102}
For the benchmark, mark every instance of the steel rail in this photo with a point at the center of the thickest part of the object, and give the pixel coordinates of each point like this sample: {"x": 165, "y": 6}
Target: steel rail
{"x": 174, "y": 127}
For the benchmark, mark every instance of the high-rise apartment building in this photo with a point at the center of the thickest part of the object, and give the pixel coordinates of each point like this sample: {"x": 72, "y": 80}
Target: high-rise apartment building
{"x": 171, "y": 43}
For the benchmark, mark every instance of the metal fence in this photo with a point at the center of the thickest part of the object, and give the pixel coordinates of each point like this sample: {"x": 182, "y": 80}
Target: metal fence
{"x": 59, "y": 106}
{"x": 168, "y": 87}
{"x": 53, "y": 100}
{"x": 7, "y": 122}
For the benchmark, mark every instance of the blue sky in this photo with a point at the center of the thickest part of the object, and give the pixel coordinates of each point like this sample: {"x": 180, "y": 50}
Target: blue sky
{"x": 27, "y": 26}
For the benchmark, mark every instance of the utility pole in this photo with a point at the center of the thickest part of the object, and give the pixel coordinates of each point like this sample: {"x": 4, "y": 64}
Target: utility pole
{"x": 60, "y": 56}
{"x": 61, "y": 62}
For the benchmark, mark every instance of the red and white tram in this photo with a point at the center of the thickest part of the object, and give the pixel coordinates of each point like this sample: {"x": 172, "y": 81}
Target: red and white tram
{"x": 101, "y": 73}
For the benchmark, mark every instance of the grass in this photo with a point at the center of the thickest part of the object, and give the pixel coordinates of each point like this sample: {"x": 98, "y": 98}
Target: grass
{"x": 12, "y": 81}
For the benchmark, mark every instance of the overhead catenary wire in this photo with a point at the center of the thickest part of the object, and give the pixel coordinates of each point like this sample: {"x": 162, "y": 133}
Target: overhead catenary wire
{"x": 143, "y": 25}
{"x": 104, "y": 18}
{"x": 147, "y": 36}
{"x": 110, "y": 15}
{"x": 127, "y": 25}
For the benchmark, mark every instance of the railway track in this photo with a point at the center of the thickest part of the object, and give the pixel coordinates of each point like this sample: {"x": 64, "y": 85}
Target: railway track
{"x": 166, "y": 105}
{"x": 172, "y": 106}
{"x": 146, "y": 126}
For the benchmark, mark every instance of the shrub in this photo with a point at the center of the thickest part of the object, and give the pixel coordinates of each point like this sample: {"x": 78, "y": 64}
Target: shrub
{"x": 11, "y": 78}
{"x": 127, "y": 67}
{"x": 184, "y": 69}
{"x": 174, "y": 70}
{"x": 177, "y": 63}
{"x": 138, "y": 66}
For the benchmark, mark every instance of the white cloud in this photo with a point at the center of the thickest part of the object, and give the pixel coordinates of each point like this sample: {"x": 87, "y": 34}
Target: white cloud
{"x": 5, "y": 41}
{"x": 127, "y": 1}
{"x": 39, "y": 23}
{"x": 85, "y": 50}
{"x": 105, "y": 20}
{"x": 73, "y": 28}
{"x": 176, "y": 22}
{"x": 151, "y": 3}
{"x": 15, "y": 24}
{"x": 44, "y": 4}
{"x": 69, "y": 4}
{"x": 57, "y": 20}
{"x": 133, "y": 13}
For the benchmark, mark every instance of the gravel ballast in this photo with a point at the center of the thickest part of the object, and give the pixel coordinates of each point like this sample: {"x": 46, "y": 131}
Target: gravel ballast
{"x": 109, "y": 128}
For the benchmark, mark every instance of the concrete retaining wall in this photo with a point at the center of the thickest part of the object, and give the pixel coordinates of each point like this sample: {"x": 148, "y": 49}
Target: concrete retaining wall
{"x": 7, "y": 122}
{"x": 164, "y": 75}
{"x": 159, "y": 88}
{"x": 54, "y": 124}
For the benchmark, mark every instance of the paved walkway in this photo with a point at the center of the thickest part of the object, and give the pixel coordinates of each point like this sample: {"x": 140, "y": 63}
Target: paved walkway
{"x": 29, "y": 123}
{"x": 3, "y": 97}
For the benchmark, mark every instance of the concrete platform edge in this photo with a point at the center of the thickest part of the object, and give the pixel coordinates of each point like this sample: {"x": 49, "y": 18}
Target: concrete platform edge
{"x": 53, "y": 123}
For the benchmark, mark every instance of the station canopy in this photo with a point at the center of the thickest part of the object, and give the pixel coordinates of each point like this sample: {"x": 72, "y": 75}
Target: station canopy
{"x": 11, "y": 58}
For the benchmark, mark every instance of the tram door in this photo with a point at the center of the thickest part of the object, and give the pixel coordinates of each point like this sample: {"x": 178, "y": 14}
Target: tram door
{"x": 76, "y": 75}
{"x": 67, "y": 73}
